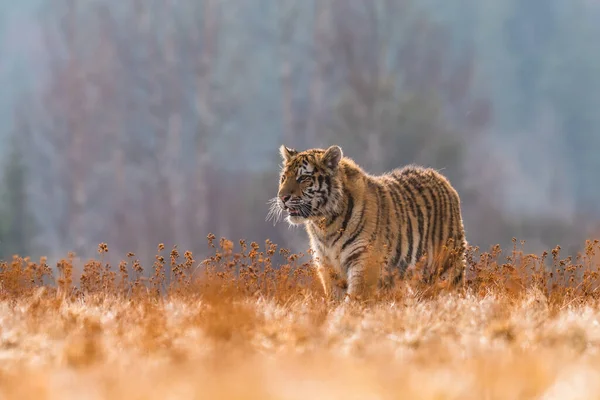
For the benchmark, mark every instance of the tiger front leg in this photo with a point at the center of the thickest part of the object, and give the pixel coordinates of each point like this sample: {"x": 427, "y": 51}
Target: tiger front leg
{"x": 333, "y": 285}
{"x": 363, "y": 274}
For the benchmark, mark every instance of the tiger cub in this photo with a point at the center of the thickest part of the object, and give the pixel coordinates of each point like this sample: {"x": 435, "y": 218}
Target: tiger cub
{"x": 360, "y": 224}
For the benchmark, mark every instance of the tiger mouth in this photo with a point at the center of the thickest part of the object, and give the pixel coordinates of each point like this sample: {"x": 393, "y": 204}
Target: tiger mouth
{"x": 297, "y": 211}
{"x": 294, "y": 212}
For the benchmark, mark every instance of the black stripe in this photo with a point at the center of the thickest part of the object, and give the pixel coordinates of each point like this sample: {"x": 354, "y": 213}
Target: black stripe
{"x": 421, "y": 218}
{"x": 360, "y": 250}
{"x": 402, "y": 267}
{"x": 325, "y": 200}
{"x": 451, "y": 229}
{"x": 352, "y": 257}
{"x": 442, "y": 213}
{"x": 426, "y": 220}
{"x": 415, "y": 211}
{"x": 356, "y": 232}
{"x": 434, "y": 219}
{"x": 385, "y": 200}
{"x": 327, "y": 192}
{"x": 332, "y": 219}
{"x": 373, "y": 186}
{"x": 409, "y": 211}
{"x": 359, "y": 227}
{"x": 396, "y": 203}
{"x": 430, "y": 219}
{"x": 349, "y": 209}
{"x": 411, "y": 239}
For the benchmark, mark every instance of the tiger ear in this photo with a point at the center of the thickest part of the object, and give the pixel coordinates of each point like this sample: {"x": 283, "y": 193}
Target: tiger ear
{"x": 332, "y": 157}
{"x": 287, "y": 153}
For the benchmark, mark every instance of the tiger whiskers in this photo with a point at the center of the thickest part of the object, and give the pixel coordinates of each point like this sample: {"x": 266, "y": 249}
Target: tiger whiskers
{"x": 275, "y": 211}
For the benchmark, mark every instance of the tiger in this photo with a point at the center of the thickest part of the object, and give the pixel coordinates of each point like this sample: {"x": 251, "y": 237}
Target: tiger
{"x": 360, "y": 225}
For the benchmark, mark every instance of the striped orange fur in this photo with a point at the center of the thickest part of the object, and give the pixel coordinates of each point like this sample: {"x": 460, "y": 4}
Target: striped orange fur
{"x": 360, "y": 224}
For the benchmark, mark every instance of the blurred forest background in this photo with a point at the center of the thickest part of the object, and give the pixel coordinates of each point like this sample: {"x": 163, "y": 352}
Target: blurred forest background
{"x": 136, "y": 122}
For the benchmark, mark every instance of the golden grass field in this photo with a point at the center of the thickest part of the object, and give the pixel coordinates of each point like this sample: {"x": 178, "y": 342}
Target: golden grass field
{"x": 233, "y": 327}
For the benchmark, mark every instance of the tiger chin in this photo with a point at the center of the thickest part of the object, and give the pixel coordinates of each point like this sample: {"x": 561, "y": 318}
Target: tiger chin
{"x": 360, "y": 224}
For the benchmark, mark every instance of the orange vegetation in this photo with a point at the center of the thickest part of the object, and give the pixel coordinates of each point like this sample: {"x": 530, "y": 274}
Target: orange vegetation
{"x": 235, "y": 327}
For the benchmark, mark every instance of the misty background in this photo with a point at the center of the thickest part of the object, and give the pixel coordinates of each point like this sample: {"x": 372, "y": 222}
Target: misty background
{"x": 139, "y": 122}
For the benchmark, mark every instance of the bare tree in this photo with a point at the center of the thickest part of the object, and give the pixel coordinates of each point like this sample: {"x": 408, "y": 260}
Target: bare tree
{"x": 122, "y": 106}
{"x": 288, "y": 11}
{"x": 401, "y": 93}
{"x": 321, "y": 63}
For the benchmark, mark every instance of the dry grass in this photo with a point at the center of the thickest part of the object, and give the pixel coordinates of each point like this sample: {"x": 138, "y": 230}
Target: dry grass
{"x": 237, "y": 328}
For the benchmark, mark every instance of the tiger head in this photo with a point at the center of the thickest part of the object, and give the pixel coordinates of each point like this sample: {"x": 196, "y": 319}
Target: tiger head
{"x": 309, "y": 186}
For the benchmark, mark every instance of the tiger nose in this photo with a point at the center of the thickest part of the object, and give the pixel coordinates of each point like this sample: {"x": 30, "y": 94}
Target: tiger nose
{"x": 285, "y": 198}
